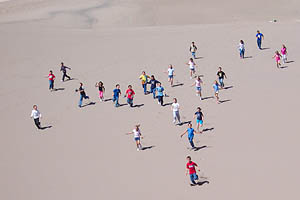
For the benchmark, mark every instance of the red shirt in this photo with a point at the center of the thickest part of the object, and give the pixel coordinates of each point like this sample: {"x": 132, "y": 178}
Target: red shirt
{"x": 130, "y": 93}
{"x": 191, "y": 167}
{"x": 51, "y": 77}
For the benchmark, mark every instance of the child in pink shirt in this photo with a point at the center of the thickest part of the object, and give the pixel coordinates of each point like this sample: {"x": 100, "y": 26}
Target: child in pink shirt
{"x": 284, "y": 53}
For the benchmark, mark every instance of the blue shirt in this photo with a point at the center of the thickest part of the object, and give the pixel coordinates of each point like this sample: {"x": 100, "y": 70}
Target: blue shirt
{"x": 216, "y": 87}
{"x": 116, "y": 92}
{"x": 259, "y": 36}
{"x": 160, "y": 91}
{"x": 190, "y": 132}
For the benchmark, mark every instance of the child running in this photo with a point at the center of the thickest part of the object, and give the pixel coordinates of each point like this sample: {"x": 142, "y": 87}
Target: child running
{"x": 160, "y": 93}
{"x": 175, "y": 108}
{"x": 36, "y": 115}
{"x": 191, "y": 170}
{"x": 137, "y": 137}
{"x": 64, "y": 68}
{"x": 277, "y": 57}
{"x": 198, "y": 83}
{"x": 221, "y": 75}
{"x": 170, "y": 74}
{"x": 191, "y": 65}
{"x": 144, "y": 79}
{"x": 82, "y": 94}
{"x": 284, "y": 53}
{"x": 51, "y": 78}
{"x": 116, "y": 94}
{"x": 153, "y": 82}
{"x": 242, "y": 49}
{"x": 101, "y": 89}
{"x": 193, "y": 49}
{"x": 130, "y": 94}
{"x": 216, "y": 90}
{"x": 191, "y": 132}
{"x": 199, "y": 118}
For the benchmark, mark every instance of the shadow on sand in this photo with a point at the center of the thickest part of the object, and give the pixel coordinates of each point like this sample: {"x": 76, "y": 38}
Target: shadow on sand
{"x": 148, "y": 147}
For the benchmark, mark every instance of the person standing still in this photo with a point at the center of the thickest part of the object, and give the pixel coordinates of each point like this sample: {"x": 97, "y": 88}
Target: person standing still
{"x": 36, "y": 115}
{"x": 63, "y": 69}
{"x": 51, "y": 78}
{"x": 175, "y": 108}
{"x": 259, "y": 38}
{"x": 193, "y": 49}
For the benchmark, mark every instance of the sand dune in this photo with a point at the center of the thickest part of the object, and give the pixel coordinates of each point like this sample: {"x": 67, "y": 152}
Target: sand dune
{"x": 250, "y": 148}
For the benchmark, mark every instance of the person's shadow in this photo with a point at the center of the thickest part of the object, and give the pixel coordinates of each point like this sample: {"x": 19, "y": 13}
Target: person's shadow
{"x": 148, "y": 147}
{"x": 45, "y": 127}
{"x": 202, "y": 182}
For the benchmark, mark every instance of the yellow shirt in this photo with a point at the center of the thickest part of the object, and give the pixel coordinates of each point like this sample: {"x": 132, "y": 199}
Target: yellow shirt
{"x": 144, "y": 78}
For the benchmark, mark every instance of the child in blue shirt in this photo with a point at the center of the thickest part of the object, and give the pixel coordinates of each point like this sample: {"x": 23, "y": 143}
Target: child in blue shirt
{"x": 160, "y": 93}
{"x": 116, "y": 94}
{"x": 191, "y": 133}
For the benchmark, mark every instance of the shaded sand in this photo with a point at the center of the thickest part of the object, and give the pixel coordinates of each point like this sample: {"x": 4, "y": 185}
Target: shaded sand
{"x": 251, "y": 150}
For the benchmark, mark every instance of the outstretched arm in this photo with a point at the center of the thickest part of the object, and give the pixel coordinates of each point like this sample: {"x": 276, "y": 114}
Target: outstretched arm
{"x": 183, "y": 134}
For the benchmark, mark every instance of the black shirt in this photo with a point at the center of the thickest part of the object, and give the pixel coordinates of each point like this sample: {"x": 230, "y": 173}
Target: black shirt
{"x": 153, "y": 83}
{"x": 221, "y": 74}
{"x": 81, "y": 90}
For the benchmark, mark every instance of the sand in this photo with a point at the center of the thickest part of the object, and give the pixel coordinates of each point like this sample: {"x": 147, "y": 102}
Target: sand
{"x": 251, "y": 149}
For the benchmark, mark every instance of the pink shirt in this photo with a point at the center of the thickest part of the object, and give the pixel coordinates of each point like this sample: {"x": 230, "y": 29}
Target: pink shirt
{"x": 283, "y": 51}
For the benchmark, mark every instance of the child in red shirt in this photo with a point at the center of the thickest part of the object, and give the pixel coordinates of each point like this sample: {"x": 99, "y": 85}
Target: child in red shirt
{"x": 51, "y": 80}
{"x": 130, "y": 94}
{"x": 191, "y": 169}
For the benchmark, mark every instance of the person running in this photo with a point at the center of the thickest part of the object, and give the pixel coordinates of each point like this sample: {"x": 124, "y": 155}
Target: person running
{"x": 198, "y": 83}
{"x": 101, "y": 89}
{"x": 170, "y": 74}
{"x": 175, "y": 108}
{"x": 199, "y": 118}
{"x": 277, "y": 57}
{"x": 259, "y": 38}
{"x": 191, "y": 168}
{"x": 193, "y": 49}
{"x": 191, "y": 65}
{"x": 216, "y": 90}
{"x": 137, "y": 137}
{"x": 191, "y": 132}
{"x": 36, "y": 115}
{"x": 130, "y": 94}
{"x": 153, "y": 82}
{"x": 160, "y": 93}
{"x": 221, "y": 75}
{"x": 284, "y": 54}
{"x": 144, "y": 79}
{"x": 64, "y": 68}
{"x": 82, "y": 94}
{"x": 242, "y": 49}
{"x": 116, "y": 94}
{"x": 51, "y": 78}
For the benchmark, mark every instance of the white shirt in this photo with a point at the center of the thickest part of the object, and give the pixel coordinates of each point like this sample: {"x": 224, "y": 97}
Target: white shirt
{"x": 193, "y": 48}
{"x": 192, "y": 65}
{"x": 170, "y": 71}
{"x": 175, "y": 107}
{"x": 242, "y": 46}
{"x": 35, "y": 114}
{"x": 136, "y": 133}
{"x": 198, "y": 83}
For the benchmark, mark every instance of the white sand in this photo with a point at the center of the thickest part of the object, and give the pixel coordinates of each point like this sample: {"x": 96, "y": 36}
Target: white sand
{"x": 252, "y": 152}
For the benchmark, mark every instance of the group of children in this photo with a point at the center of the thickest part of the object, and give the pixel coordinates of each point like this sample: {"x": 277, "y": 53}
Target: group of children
{"x": 158, "y": 93}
